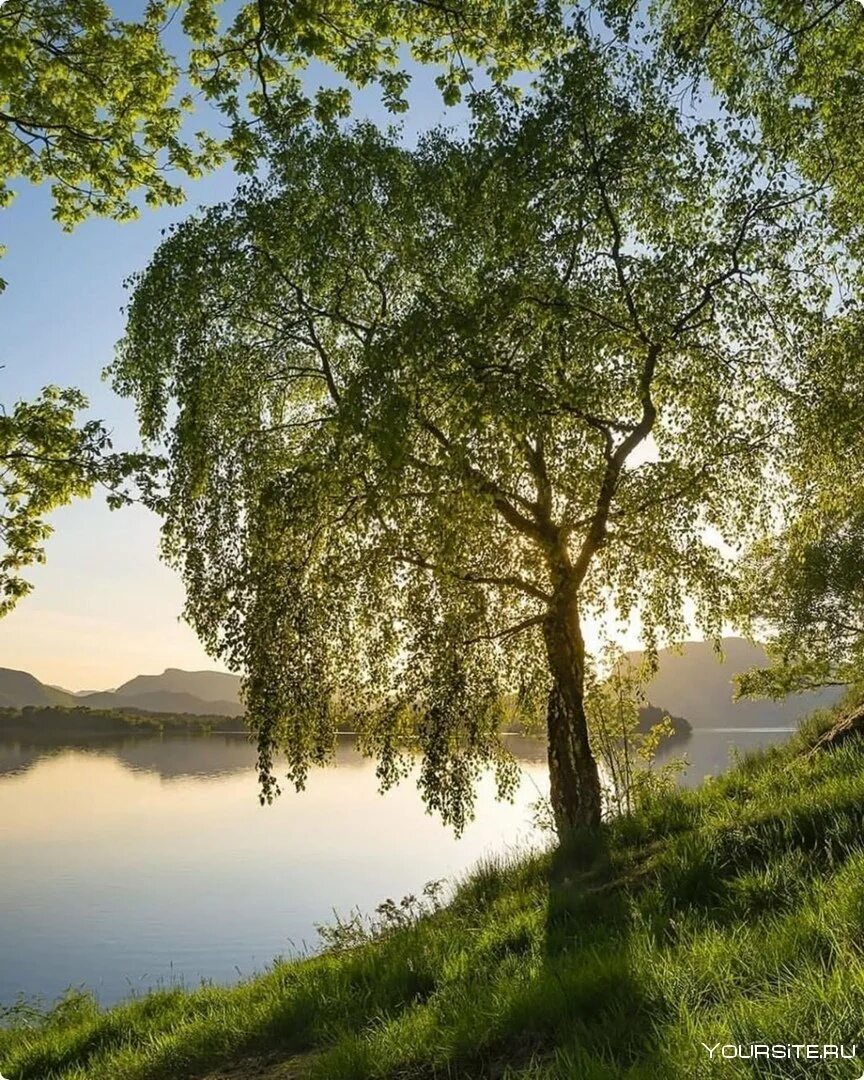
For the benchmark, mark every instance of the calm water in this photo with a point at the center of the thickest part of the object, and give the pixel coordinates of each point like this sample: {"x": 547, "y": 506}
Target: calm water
{"x": 127, "y": 864}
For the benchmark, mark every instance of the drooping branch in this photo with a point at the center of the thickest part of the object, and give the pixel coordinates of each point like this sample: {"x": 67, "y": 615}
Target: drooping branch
{"x": 503, "y": 581}
{"x": 511, "y": 631}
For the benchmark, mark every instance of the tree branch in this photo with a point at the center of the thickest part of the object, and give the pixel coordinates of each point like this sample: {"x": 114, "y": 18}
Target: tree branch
{"x": 617, "y": 237}
{"x": 501, "y": 499}
{"x": 614, "y": 464}
{"x": 518, "y": 628}
{"x": 511, "y": 581}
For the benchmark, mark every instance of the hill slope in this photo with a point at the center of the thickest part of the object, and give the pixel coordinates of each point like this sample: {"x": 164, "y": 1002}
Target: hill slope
{"x": 160, "y": 701}
{"x": 729, "y": 914}
{"x": 694, "y": 684}
{"x": 204, "y": 685}
{"x": 19, "y": 688}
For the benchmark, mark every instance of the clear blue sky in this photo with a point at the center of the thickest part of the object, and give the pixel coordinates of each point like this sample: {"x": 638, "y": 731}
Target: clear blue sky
{"x": 104, "y": 608}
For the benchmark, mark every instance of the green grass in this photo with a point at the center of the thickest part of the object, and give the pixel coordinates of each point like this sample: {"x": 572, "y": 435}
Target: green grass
{"x": 729, "y": 914}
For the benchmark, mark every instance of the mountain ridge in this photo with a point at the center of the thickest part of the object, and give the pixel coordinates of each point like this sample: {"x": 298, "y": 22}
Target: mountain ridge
{"x": 689, "y": 683}
{"x": 205, "y": 685}
{"x": 692, "y": 681}
{"x": 171, "y": 692}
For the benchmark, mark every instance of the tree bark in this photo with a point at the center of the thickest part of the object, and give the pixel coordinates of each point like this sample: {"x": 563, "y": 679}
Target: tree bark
{"x": 574, "y": 778}
{"x": 850, "y": 724}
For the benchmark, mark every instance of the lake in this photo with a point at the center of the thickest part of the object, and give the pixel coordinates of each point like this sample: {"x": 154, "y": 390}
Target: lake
{"x": 139, "y": 862}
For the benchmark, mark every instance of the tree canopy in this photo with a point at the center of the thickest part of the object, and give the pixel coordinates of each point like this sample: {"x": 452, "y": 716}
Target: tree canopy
{"x": 46, "y": 460}
{"x": 425, "y": 410}
{"x": 798, "y": 68}
{"x": 97, "y": 104}
{"x": 87, "y": 102}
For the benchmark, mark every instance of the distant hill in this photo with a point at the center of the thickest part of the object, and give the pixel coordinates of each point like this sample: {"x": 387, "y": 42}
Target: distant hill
{"x": 19, "y": 688}
{"x": 205, "y": 685}
{"x": 199, "y": 693}
{"x": 693, "y": 683}
{"x": 161, "y": 701}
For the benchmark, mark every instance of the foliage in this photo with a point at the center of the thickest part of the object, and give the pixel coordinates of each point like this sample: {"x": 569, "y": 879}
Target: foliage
{"x": 93, "y": 102}
{"x": 407, "y": 397}
{"x": 804, "y": 582}
{"x": 390, "y": 917}
{"x": 798, "y": 68}
{"x": 46, "y": 460}
{"x": 363, "y": 42}
{"x": 626, "y": 747}
{"x": 730, "y": 914}
{"x": 56, "y": 720}
{"x": 87, "y": 102}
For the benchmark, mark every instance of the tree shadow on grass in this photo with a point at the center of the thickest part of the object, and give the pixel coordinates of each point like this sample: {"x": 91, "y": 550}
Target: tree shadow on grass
{"x": 591, "y": 1001}
{"x": 586, "y": 996}
{"x": 552, "y": 962}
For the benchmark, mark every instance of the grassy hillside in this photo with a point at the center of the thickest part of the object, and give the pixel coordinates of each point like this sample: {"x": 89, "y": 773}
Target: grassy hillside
{"x": 733, "y": 913}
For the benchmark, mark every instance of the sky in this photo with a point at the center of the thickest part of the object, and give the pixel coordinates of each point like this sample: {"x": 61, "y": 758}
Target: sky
{"x": 103, "y": 607}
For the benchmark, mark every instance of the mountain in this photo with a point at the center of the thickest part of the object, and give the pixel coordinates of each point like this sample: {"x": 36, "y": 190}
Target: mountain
{"x": 201, "y": 693}
{"x": 19, "y": 688}
{"x": 205, "y": 685}
{"x": 162, "y": 701}
{"x": 211, "y": 693}
{"x": 692, "y": 682}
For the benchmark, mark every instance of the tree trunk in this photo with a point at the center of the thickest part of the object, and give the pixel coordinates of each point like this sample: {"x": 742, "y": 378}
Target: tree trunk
{"x": 850, "y": 724}
{"x": 573, "y": 775}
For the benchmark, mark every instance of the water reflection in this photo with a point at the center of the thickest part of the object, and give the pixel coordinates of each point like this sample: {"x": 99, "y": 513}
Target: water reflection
{"x": 182, "y": 757}
{"x": 708, "y": 751}
{"x": 133, "y": 862}
{"x": 127, "y": 863}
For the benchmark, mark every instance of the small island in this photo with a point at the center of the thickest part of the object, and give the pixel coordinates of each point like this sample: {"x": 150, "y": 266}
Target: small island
{"x": 651, "y": 715}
